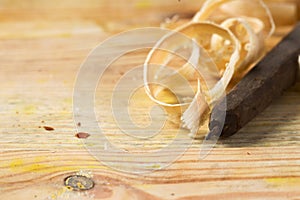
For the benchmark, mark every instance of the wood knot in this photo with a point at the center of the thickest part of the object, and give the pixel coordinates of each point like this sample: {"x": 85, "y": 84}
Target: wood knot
{"x": 79, "y": 183}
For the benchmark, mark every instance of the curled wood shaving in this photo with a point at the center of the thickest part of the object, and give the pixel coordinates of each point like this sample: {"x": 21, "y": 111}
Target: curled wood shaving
{"x": 236, "y": 8}
{"x": 222, "y": 49}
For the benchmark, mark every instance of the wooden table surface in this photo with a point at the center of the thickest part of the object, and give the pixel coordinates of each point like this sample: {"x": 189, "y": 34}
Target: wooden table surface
{"x": 40, "y": 58}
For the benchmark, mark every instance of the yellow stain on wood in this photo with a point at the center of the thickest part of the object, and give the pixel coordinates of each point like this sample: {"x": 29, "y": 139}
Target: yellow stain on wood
{"x": 60, "y": 192}
{"x": 280, "y": 182}
{"x": 154, "y": 166}
{"x": 68, "y": 101}
{"x": 21, "y": 166}
{"x": 143, "y": 4}
{"x": 29, "y": 109}
{"x": 40, "y": 164}
{"x": 16, "y": 163}
{"x": 42, "y": 81}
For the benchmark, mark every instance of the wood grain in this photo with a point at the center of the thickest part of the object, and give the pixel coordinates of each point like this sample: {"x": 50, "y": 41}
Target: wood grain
{"x": 38, "y": 71}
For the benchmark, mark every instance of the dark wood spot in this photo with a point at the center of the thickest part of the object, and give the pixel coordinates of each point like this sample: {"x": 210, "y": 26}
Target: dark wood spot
{"x": 82, "y": 135}
{"x": 48, "y": 128}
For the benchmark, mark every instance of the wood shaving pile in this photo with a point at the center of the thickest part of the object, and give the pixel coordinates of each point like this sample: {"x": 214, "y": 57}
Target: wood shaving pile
{"x": 226, "y": 38}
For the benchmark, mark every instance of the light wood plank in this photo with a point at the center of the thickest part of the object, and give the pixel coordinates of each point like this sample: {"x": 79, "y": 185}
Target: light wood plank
{"x": 37, "y": 74}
